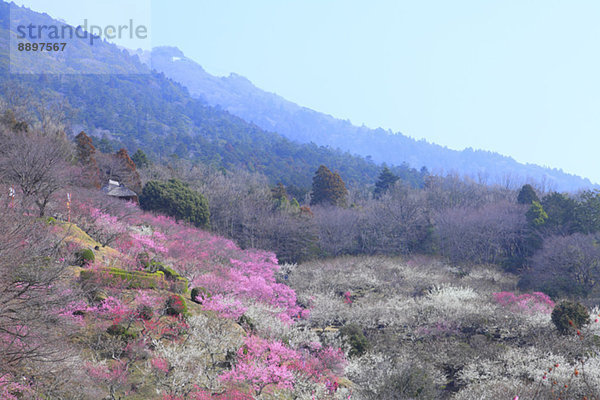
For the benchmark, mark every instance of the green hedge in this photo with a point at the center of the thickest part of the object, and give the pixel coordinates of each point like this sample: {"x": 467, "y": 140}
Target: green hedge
{"x": 570, "y": 316}
{"x": 85, "y": 256}
{"x": 176, "y": 305}
{"x": 134, "y": 280}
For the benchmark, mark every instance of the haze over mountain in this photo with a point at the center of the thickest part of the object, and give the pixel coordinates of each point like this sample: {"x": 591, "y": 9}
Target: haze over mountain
{"x": 133, "y": 107}
{"x": 111, "y": 95}
{"x": 271, "y": 112}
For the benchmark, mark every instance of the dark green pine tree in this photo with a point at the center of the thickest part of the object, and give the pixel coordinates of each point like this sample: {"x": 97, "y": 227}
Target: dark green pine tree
{"x": 561, "y": 213}
{"x": 536, "y": 216}
{"x": 385, "y": 181}
{"x": 587, "y": 212}
{"x": 105, "y": 146}
{"x": 527, "y": 195}
{"x": 328, "y": 188}
{"x": 140, "y": 159}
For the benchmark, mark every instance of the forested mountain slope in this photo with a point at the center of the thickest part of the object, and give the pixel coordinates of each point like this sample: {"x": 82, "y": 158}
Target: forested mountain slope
{"x": 142, "y": 109}
{"x": 239, "y": 96}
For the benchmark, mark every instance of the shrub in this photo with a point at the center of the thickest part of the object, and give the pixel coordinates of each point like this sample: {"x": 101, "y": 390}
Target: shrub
{"x": 569, "y": 315}
{"x": 176, "y": 199}
{"x": 147, "y": 264}
{"x": 176, "y": 305}
{"x": 200, "y": 292}
{"x": 177, "y": 283}
{"x": 145, "y": 312}
{"x": 170, "y": 273}
{"x": 121, "y": 331}
{"x": 154, "y": 266}
{"x": 354, "y": 336}
{"x": 85, "y": 256}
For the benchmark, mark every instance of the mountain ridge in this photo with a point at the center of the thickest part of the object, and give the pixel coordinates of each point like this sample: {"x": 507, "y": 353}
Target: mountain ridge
{"x": 156, "y": 111}
{"x": 272, "y": 112}
{"x": 140, "y": 108}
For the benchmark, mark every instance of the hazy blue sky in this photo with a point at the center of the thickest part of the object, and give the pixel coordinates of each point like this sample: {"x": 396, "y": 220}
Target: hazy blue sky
{"x": 518, "y": 77}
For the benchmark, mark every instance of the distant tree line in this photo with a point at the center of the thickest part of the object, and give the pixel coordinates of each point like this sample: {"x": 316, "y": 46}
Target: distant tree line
{"x": 465, "y": 222}
{"x": 157, "y": 115}
{"x": 548, "y": 238}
